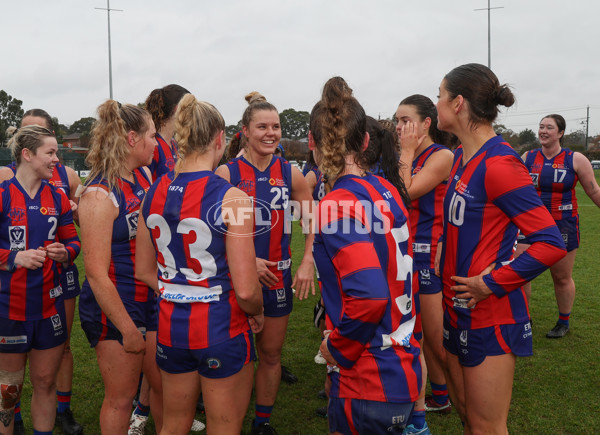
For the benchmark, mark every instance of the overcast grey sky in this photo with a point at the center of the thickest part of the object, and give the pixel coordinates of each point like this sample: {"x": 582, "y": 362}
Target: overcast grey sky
{"x": 55, "y": 52}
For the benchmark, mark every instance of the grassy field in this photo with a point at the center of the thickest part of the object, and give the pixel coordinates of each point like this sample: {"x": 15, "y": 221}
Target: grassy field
{"x": 555, "y": 391}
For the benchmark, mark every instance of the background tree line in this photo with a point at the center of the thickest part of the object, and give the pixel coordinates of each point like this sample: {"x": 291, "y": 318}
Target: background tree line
{"x": 294, "y": 131}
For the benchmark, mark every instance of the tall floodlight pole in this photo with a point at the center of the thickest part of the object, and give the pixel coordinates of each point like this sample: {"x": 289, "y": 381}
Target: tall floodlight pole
{"x": 108, "y": 9}
{"x": 488, "y": 9}
{"x": 587, "y": 127}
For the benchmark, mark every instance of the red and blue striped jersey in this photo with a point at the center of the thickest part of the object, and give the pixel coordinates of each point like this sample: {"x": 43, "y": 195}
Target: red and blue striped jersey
{"x": 59, "y": 178}
{"x": 555, "y": 180}
{"x": 319, "y": 191}
{"x": 30, "y": 223}
{"x": 128, "y": 197}
{"x": 270, "y": 190}
{"x": 164, "y": 158}
{"x": 487, "y": 201}
{"x": 198, "y": 307}
{"x": 426, "y": 216}
{"x": 364, "y": 258}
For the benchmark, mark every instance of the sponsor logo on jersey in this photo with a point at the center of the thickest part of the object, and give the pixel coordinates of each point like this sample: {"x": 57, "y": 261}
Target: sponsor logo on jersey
{"x": 56, "y": 292}
{"x": 276, "y": 182}
{"x": 558, "y": 166}
{"x": 285, "y": 264}
{"x": 461, "y": 303}
{"x": 17, "y": 214}
{"x": 262, "y": 179}
{"x": 56, "y": 323}
{"x": 213, "y": 363}
{"x": 14, "y": 339}
{"x": 33, "y": 207}
{"x": 424, "y": 248}
{"x": 280, "y": 294}
{"x": 565, "y": 207}
{"x": 17, "y": 237}
{"x": 51, "y": 211}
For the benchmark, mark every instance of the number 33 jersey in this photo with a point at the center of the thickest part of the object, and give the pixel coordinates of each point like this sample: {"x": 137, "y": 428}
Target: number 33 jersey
{"x": 198, "y": 307}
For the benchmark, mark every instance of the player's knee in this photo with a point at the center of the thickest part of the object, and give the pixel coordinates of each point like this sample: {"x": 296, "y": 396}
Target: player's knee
{"x": 11, "y": 385}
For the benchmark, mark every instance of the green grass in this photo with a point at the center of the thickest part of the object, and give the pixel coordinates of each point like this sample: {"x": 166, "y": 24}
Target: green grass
{"x": 555, "y": 391}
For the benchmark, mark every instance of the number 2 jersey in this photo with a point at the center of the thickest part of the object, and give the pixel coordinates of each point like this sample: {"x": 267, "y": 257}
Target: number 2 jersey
{"x": 363, "y": 255}
{"x": 198, "y": 306}
{"x": 555, "y": 180}
{"x": 426, "y": 216}
{"x": 30, "y": 223}
{"x": 270, "y": 190}
{"x": 487, "y": 200}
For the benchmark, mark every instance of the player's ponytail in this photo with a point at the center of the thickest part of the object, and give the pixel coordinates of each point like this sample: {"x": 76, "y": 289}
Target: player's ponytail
{"x": 197, "y": 123}
{"x": 338, "y": 126}
{"x": 108, "y": 145}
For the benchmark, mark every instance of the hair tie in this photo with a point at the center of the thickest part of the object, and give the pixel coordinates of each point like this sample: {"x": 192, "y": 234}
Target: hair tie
{"x": 238, "y": 135}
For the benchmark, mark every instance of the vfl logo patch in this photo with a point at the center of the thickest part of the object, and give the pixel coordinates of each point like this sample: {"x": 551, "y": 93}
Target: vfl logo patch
{"x": 213, "y": 363}
{"x": 425, "y": 274}
{"x": 446, "y": 334}
{"x": 56, "y": 323}
{"x": 70, "y": 278}
{"x": 565, "y": 237}
{"x": 132, "y": 223}
{"x": 17, "y": 238}
{"x": 280, "y": 295}
{"x": 463, "y": 338}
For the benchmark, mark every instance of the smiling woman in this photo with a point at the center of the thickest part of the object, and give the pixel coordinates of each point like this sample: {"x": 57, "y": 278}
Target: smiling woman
{"x": 38, "y": 222}
{"x": 273, "y": 180}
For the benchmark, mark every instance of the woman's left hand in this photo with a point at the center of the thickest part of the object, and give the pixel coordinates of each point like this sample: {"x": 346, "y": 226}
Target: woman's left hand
{"x": 304, "y": 280}
{"x": 57, "y": 252}
{"x": 325, "y": 351}
{"x": 474, "y": 288}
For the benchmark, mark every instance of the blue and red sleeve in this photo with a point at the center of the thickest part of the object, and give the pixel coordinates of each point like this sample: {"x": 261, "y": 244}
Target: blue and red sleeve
{"x": 518, "y": 199}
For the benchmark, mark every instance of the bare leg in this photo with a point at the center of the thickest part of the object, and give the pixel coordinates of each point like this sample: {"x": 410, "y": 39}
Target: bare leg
{"x": 226, "y": 401}
{"x": 182, "y": 391}
{"x": 121, "y": 373}
{"x": 43, "y": 367}
{"x": 564, "y": 286}
{"x": 152, "y": 373}
{"x": 488, "y": 390}
{"x": 64, "y": 379}
{"x": 432, "y": 316}
{"x": 269, "y": 343}
{"x": 12, "y": 368}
